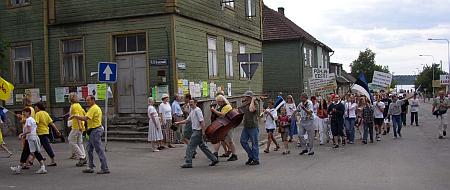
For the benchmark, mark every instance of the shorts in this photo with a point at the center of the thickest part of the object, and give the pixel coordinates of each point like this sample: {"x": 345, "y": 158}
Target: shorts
{"x": 337, "y": 130}
{"x": 270, "y": 130}
{"x": 379, "y": 121}
{"x": 187, "y": 131}
{"x": 34, "y": 144}
{"x": 230, "y": 135}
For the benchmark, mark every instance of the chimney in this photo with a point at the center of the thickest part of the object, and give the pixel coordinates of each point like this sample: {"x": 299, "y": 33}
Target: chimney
{"x": 281, "y": 10}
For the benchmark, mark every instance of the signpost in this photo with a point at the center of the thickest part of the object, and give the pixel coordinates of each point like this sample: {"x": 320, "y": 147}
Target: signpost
{"x": 107, "y": 73}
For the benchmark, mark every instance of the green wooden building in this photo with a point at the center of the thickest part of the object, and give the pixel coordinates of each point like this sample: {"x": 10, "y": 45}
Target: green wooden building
{"x": 290, "y": 54}
{"x": 55, "y": 47}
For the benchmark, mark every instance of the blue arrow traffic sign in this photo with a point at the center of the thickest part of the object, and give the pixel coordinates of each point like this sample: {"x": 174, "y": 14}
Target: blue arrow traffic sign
{"x": 107, "y": 72}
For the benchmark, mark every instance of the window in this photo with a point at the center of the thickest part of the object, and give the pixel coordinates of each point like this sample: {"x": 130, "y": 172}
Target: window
{"x": 250, "y": 8}
{"x": 212, "y": 57}
{"x": 22, "y": 67}
{"x": 229, "y": 3}
{"x": 134, "y": 43}
{"x": 73, "y": 61}
{"x": 325, "y": 61}
{"x": 308, "y": 56}
{"x": 229, "y": 58}
{"x": 18, "y": 3}
{"x": 241, "y": 71}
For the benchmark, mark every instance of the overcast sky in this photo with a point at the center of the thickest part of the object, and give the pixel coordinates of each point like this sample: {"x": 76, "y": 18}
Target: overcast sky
{"x": 396, "y": 30}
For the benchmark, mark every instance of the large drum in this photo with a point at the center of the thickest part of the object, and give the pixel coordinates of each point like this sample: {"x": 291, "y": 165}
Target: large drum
{"x": 219, "y": 128}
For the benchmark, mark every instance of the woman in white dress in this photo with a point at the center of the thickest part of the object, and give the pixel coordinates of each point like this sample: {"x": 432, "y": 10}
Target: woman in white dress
{"x": 154, "y": 127}
{"x": 316, "y": 119}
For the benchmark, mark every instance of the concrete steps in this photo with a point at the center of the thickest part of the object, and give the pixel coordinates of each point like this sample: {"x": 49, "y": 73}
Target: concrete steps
{"x": 128, "y": 128}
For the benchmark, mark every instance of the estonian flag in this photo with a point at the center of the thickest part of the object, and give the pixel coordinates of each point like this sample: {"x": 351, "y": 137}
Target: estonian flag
{"x": 279, "y": 102}
{"x": 362, "y": 87}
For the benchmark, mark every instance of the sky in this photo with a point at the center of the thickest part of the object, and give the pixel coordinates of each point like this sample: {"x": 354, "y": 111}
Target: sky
{"x": 396, "y": 30}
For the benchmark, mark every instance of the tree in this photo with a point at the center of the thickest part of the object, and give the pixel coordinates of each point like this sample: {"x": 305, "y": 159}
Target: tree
{"x": 366, "y": 64}
{"x": 424, "y": 78}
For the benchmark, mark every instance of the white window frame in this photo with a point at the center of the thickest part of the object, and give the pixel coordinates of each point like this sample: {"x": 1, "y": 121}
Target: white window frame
{"x": 307, "y": 52}
{"x": 27, "y": 66}
{"x": 250, "y": 8}
{"x": 229, "y": 59}
{"x": 242, "y": 49}
{"x": 228, "y": 3}
{"x": 126, "y": 44}
{"x": 75, "y": 68}
{"x": 325, "y": 61}
{"x": 19, "y": 3}
{"x": 212, "y": 57}
{"x": 310, "y": 58}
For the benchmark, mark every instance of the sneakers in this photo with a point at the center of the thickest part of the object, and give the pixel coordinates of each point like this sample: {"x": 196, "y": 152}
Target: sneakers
{"x": 103, "y": 172}
{"x": 303, "y": 152}
{"x": 16, "y": 170}
{"x": 81, "y": 162}
{"x": 233, "y": 157}
{"x": 186, "y": 166}
{"x": 41, "y": 171}
{"x": 88, "y": 170}
{"x": 254, "y": 163}
{"x": 378, "y": 139}
{"x": 213, "y": 163}
{"x": 310, "y": 153}
{"x": 440, "y": 137}
{"x": 248, "y": 162}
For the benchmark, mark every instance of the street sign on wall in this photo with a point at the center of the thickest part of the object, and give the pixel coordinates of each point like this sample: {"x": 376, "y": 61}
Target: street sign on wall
{"x": 107, "y": 72}
{"x": 319, "y": 73}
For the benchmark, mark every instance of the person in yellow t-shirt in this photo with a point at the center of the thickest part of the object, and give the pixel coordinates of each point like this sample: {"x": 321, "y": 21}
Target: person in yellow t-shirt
{"x": 76, "y": 133}
{"x": 43, "y": 120}
{"x": 95, "y": 131}
{"x": 224, "y": 108}
{"x": 2, "y": 143}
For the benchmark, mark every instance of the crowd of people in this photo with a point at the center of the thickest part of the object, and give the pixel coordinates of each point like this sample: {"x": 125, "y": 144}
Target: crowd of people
{"x": 328, "y": 120}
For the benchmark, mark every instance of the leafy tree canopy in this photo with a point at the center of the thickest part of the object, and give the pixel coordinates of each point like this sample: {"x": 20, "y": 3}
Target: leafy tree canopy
{"x": 366, "y": 64}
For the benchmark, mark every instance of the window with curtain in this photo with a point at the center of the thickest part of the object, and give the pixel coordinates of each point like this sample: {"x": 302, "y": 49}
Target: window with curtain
{"x": 229, "y": 58}
{"x": 73, "y": 61}
{"x": 212, "y": 57}
{"x": 22, "y": 65}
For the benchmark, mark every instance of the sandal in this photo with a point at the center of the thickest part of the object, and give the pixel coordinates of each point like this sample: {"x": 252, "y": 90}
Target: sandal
{"x": 266, "y": 151}
{"x": 226, "y": 155}
{"x": 276, "y": 149}
{"x": 52, "y": 164}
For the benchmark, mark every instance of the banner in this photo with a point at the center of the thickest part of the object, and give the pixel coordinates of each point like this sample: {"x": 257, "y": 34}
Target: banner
{"x": 5, "y": 89}
{"x": 444, "y": 79}
{"x": 382, "y": 79}
{"x": 323, "y": 86}
{"x": 318, "y": 73}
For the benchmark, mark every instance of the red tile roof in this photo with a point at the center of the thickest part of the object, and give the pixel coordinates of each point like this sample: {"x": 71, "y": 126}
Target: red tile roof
{"x": 278, "y": 27}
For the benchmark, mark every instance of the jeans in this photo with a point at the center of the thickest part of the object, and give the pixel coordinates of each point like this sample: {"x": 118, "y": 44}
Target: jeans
{"x": 197, "y": 140}
{"x": 368, "y": 130}
{"x": 397, "y": 125}
{"x": 414, "y": 117}
{"x": 45, "y": 142}
{"x": 443, "y": 124}
{"x": 350, "y": 128}
{"x": 76, "y": 141}
{"x": 404, "y": 118}
{"x": 251, "y": 134}
{"x": 307, "y": 128}
{"x": 95, "y": 142}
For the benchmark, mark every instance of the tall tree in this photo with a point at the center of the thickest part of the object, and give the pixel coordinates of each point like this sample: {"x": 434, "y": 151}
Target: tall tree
{"x": 366, "y": 64}
{"x": 424, "y": 78}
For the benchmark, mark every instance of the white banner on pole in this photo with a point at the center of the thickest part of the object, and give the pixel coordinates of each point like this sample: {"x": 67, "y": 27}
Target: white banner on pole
{"x": 382, "y": 79}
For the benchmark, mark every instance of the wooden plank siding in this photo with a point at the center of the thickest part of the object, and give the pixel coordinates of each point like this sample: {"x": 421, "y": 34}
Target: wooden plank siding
{"x": 230, "y": 18}
{"x": 68, "y": 11}
{"x": 192, "y": 49}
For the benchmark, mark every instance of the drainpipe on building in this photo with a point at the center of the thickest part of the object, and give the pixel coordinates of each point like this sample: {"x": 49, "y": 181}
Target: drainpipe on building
{"x": 46, "y": 62}
{"x": 300, "y": 73}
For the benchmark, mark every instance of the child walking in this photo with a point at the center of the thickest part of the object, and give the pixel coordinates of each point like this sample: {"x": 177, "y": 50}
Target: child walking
{"x": 283, "y": 128}
{"x": 270, "y": 117}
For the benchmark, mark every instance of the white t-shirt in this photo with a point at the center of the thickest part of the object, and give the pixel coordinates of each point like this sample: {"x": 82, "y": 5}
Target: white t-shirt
{"x": 350, "y": 110}
{"x": 308, "y": 107}
{"x": 290, "y": 109}
{"x": 32, "y": 123}
{"x": 270, "y": 123}
{"x": 165, "y": 110}
{"x": 414, "y": 105}
{"x": 377, "y": 113}
{"x": 196, "y": 117}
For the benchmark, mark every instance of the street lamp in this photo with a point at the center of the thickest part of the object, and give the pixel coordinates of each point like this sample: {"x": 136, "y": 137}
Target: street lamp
{"x": 432, "y": 66}
{"x": 448, "y": 51}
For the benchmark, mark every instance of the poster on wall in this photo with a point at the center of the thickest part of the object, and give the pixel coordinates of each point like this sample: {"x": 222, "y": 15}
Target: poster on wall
{"x": 212, "y": 89}
{"x": 101, "y": 92}
{"x": 10, "y": 101}
{"x": 92, "y": 90}
{"x": 19, "y": 97}
{"x": 205, "y": 89}
{"x": 59, "y": 94}
{"x": 33, "y": 94}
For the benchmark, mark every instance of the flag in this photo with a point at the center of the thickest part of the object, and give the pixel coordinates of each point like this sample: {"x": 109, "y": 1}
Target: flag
{"x": 279, "y": 102}
{"x": 110, "y": 93}
{"x": 5, "y": 89}
{"x": 362, "y": 87}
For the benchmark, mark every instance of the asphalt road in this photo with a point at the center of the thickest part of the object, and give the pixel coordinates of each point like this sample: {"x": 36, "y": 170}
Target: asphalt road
{"x": 417, "y": 161}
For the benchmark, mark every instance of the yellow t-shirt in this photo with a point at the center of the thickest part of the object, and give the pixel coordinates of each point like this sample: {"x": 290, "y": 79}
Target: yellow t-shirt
{"x": 42, "y": 120}
{"x": 76, "y": 109}
{"x": 226, "y": 109}
{"x": 94, "y": 116}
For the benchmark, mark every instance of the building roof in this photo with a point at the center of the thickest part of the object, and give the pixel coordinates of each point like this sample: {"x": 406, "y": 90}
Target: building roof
{"x": 278, "y": 27}
{"x": 348, "y": 76}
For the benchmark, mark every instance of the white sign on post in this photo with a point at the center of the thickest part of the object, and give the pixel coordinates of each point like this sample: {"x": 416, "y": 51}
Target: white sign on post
{"x": 318, "y": 73}
{"x": 382, "y": 79}
{"x": 444, "y": 79}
